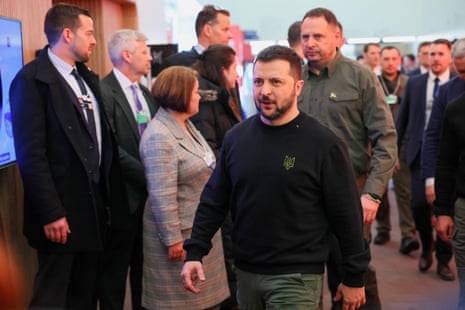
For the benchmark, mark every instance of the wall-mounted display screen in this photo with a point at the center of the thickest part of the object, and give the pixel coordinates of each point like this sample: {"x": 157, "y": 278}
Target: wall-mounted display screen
{"x": 11, "y": 61}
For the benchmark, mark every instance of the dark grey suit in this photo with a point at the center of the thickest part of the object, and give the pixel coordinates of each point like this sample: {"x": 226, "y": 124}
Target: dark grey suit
{"x": 124, "y": 244}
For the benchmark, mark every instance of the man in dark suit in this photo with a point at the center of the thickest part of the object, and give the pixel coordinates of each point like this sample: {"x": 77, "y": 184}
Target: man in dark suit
{"x": 212, "y": 26}
{"x": 129, "y": 107}
{"x": 65, "y": 153}
{"x": 447, "y": 93}
{"x": 422, "y": 59}
{"x": 411, "y": 123}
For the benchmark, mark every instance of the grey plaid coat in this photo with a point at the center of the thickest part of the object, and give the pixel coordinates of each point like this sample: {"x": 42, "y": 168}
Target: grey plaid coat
{"x": 176, "y": 171}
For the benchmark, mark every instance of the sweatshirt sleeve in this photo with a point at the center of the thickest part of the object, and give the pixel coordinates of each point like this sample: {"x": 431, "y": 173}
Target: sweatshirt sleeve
{"x": 345, "y": 213}
{"x": 211, "y": 212}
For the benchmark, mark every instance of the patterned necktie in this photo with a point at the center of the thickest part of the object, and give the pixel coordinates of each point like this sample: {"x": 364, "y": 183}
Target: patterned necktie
{"x": 141, "y": 118}
{"x": 86, "y": 104}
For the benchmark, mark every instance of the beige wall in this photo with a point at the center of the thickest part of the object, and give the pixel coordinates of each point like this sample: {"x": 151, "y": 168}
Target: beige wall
{"x": 108, "y": 16}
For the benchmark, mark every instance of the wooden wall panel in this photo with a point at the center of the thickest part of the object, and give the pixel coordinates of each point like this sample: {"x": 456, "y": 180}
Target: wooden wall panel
{"x": 31, "y": 13}
{"x": 111, "y": 20}
{"x": 108, "y": 16}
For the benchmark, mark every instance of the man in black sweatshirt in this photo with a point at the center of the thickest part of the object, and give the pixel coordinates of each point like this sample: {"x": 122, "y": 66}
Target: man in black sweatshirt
{"x": 287, "y": 194}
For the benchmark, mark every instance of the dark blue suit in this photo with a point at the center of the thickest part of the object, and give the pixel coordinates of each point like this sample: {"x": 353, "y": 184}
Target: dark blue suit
{"x": 447, "y": 93}
{"x": 410, "y": 125}
{"x": 414, "y": 72}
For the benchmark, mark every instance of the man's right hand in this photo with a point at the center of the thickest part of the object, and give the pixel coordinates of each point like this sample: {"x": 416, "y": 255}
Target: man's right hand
{"x": 352, "y": 297}
{"x": 57, "y": 231}
{"x": 191, "y": 274}
{"x": 445, "y": 227}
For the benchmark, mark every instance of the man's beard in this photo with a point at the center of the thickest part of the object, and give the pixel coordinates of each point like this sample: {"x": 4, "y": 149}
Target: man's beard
{"x": 278, "y": 111}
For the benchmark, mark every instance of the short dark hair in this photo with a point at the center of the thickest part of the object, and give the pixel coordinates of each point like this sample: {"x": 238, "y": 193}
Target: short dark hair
{"x": 293, "y": 33}
{"x": 322, "y": 12}
{"x": 213, "y": 60}
{"x": 279, "y": 52}
{"x": 392, "y": 47}
{"x": 443, "y": 41}
{"x": 208, "y": 16}
{"x": 173, "y": 88}
{"x": 367, "y": 46}
{"x": 410, "y": 56}
{"x": 422, "y": 44}
{"x": 61, "y": 16}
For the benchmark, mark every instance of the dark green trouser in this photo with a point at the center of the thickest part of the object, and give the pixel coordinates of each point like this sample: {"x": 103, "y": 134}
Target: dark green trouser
{"x": 274, "y": 292}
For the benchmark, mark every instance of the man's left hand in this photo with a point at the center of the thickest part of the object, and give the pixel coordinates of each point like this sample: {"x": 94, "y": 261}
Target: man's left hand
{"x": 352, "y": 297}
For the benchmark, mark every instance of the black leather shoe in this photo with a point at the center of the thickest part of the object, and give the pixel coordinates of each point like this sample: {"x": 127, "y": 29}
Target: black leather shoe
{"x": 426, "y": 260}
{"x": 445, "y": 273}
{"x": 381, "y": 238}
{"x": 408, "y": 245}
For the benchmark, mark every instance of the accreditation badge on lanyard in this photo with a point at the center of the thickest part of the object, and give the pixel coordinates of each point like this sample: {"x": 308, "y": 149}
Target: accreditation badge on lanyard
{"x": 142, "y": 119}
{"x": 391, "y": 99}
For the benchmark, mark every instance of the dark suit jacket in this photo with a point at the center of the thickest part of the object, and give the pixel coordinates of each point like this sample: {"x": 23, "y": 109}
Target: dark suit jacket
{"x": 54, "y": 151}
{"x": 450, "y": 168}
{"x": 184, "y": 58}
{"x": 124, "y": 127}
{"x": 447, "y": 93}
{"x": 414, "y": 72}
{"x": 410, "y": 120}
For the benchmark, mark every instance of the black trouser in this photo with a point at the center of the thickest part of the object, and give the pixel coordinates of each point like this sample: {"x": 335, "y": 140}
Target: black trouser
{"x": 422, "y": 213}
{"x": 123, "y": 250}
{"x": 66, "y": 281}
{"x": 336, "y": 274}
{"x": 226, "y": 230}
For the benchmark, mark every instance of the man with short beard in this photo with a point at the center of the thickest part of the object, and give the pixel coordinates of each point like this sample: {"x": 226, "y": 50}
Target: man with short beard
{"x": 288, "y": 181}
{"x": 421, "y": 98}
{"x": 346, "y": 97}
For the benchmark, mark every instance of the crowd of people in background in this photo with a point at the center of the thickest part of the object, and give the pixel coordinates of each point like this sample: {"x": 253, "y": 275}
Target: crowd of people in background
{"x": 201, "y": 204}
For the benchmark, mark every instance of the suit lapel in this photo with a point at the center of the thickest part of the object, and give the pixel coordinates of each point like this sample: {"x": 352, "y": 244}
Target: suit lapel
{"x": 183, "y": 138}
{"x": 59, "y": 89}
{"x": 123, "y": 103}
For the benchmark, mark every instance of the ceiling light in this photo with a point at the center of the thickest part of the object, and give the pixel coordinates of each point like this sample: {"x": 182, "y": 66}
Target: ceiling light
{"x": 397, "y": 39}
{"x": 363, "y": 40}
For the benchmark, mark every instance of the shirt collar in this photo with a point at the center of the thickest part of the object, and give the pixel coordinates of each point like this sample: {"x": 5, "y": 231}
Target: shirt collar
{"x": 442, "y": 77}
{"x": 330, "y": 67}
{"x": 199, "y": 48}
{"x": 63, "y": 67}
{"x": 122, "y": 79}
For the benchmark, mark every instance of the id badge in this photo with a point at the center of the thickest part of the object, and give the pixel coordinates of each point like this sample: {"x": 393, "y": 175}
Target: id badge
{"x": 142, "y": 119}
{"x": 209, "y": 159}
{"x": 391, "y": 99}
